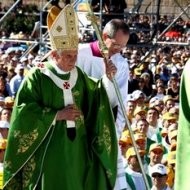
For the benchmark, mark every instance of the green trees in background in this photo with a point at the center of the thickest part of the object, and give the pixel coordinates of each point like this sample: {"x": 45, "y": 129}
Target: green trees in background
{"x": 20, "y": 19}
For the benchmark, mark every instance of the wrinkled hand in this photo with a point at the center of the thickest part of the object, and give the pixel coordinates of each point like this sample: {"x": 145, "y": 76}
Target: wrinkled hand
{"x": 70, "y": 112}
{"x": 110, "y": 69}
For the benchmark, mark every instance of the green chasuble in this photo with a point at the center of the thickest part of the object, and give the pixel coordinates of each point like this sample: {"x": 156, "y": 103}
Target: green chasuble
{"x": 182, "y": 178}
{"x": 40, "y": 155}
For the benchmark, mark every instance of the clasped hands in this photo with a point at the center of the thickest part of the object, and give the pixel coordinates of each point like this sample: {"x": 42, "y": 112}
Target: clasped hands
{"x": 70, "y": 112}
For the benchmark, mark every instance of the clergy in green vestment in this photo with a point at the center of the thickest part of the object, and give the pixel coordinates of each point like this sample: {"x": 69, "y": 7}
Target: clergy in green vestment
{"x": 62, "y": 133}
{"x": 182, "y": 179}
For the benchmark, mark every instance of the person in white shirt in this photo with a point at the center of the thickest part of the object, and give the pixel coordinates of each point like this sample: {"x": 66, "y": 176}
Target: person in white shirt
{"x": 90, "y": 59}
{"x": 17, "y": 79}
{"x": 134, "y": 176}
{"x": 152, "y": 118}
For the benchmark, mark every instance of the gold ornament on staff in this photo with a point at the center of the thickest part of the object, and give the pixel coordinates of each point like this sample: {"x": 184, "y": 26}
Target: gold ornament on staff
{"x": 94, "y": 20}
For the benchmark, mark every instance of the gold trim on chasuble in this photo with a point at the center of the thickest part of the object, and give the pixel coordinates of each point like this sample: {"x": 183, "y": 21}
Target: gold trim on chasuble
{"x": 27, "y": 172}
{"x": 25, "y": 140}
{"x": 105, "y": 139}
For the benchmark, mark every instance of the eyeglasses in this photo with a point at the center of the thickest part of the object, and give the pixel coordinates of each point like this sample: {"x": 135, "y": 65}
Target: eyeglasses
{"x": 117, "y": 45}
{"x": 158, "y": 175}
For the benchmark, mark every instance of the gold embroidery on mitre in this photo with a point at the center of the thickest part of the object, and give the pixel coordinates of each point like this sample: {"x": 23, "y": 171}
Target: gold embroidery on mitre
{"x": 59, "y": 28}
{"x": 64, "y": 29}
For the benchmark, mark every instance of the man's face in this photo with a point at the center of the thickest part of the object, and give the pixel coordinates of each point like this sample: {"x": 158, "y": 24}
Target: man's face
{"x": 21, "y": 72}
{"x": 66, "y": 59}
{"x": 141, "y": 143}
{"x": 159, "y": 105}
{"x": 130, "y": 107}
{"x": 142, "y": 127}
{"x": 159, "y": 180}
{"x": 170, "y": 104}
{"x": 156, "y": 156}
{"x": 5, "y": 115}
{"x": 133, "y": 161}
{"x": 152, "y": 115}
{"x": 116, "y": 44}
{"x": 140, "y": 100}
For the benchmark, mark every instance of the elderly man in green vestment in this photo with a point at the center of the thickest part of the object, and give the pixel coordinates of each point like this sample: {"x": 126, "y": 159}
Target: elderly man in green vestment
{"x": 182, "y": 179}
{"x": 62, "y": 133}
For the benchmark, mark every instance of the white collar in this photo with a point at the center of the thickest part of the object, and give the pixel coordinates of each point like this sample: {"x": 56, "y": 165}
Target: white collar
{"x": 59, "y": 71}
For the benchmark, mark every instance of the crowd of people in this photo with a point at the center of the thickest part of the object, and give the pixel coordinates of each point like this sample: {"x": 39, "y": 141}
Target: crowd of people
{"x": 149, "y": 84}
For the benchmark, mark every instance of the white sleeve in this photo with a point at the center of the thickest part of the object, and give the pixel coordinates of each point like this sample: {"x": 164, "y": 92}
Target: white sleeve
{"x": 121, "y": 78}
{"x": 110, "y": 91}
